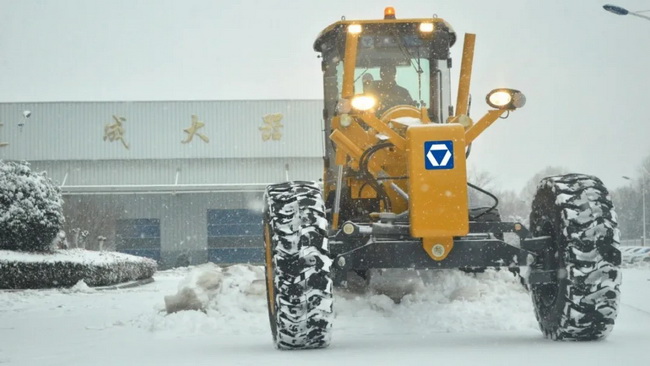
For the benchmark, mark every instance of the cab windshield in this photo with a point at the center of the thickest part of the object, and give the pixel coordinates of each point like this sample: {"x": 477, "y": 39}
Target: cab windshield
{"x": 392, "y": 64}
{"x": 398, "y": 65}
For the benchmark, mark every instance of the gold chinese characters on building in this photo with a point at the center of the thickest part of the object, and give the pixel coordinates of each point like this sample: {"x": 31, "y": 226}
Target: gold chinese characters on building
{"x": 192, "y": 130}
{"x": 272, "y": 127}
{"x": 115, "y": 131}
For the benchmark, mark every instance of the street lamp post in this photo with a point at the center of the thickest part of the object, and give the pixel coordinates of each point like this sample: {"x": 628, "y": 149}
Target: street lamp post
{"x": 645, "y": 172}
{"x": 622, "y": 11}
{"x": 643, "y": 178}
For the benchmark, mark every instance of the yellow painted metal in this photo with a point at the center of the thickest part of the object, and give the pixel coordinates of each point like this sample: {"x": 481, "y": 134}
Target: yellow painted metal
{"x": 335, "y": 220}
{"x": 345, "y": 144}
{"x": 353, "y": 150}
{"x": 447, "y": 244}
{"x": 424, "y": 115}
{"x": 336, "y": 122}
{"x": 483, "y": 123}
{"x": 381, "y": 127}
{"x": 393, "y": 118}
{"x": 401, "y": 111}
{"x": 349, "y": 63}
{"x": 359, "y": 189}
{"x": 393, "y": 163}
{"x": 341, "y": 156}
{"x": 269, "y": 269}
{"x": 437, "y": 197}
{"x": 437, "y": 203}
{"x": 462, "y": 102}
{"x": 361, "y": 136}
{"x": 462, "y": 119}
{"x": 353, "y": 140}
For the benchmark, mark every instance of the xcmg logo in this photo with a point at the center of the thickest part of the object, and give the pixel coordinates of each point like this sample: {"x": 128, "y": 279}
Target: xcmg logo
{"x": 438, "y": 155}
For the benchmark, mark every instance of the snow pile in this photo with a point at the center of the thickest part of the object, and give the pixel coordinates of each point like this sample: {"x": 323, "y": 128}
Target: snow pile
{"x": 196, "y": 290}
{"x": 214, "y": 299}
{"x": 80, "y": 287}
{"x": 232, "y": 300}
{"x": 209, "y": 284}
{"x": 444, "y": 301}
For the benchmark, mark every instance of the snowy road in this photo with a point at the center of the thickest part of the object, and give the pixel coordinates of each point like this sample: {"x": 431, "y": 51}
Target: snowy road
{"x": 456, "y": 320}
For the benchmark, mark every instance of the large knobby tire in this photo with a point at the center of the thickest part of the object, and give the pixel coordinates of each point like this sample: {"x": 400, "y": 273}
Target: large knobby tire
{"x": 298, "y": 281}
{"x": 577, "y": 213}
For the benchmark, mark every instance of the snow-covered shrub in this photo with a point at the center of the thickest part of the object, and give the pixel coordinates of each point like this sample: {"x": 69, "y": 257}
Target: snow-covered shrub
{"x": 31, "y": 212}
{"x": 65, "y": 268}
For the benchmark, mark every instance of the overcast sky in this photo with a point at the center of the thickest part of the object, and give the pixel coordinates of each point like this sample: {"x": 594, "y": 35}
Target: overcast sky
{"x": 585, "y": 72}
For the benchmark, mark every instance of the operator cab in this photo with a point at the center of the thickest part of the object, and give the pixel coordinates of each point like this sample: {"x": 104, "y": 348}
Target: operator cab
{"x": 414, "y": 51}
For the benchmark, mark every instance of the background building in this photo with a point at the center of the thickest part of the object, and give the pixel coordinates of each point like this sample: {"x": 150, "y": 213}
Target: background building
{"x": 179, "y": 181}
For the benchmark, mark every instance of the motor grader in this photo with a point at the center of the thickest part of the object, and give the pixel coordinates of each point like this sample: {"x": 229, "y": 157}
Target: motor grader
{"x": 395, "y": 193}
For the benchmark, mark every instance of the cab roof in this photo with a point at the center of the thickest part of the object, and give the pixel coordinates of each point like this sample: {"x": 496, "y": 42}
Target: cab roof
{"x": 339, "y": 28}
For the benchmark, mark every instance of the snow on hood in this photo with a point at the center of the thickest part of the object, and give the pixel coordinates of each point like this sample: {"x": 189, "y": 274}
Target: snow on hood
{"x": 408, "y": 121}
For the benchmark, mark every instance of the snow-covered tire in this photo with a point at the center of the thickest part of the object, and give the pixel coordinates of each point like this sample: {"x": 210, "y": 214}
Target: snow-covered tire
{"x": 577, "y": 213}
{"x": 298, "y": 280}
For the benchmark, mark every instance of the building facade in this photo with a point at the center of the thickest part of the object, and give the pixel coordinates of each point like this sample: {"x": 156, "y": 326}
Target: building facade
{"x": 178, "y": 181}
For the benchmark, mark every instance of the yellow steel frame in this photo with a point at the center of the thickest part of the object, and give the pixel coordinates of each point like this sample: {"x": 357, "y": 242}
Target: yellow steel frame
{"x": 353, "y": 140}
{"x": 268, "y": 254}
{"x": 462, "y": 101}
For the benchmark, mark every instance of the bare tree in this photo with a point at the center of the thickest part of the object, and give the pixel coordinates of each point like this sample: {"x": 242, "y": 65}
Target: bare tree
{"x": 530, "y": 188}
{"x": 628, "y": 210}
{"x": 628, "y": 202}
{"x": 483, "y": 180}
{"x": 513, "y": 207}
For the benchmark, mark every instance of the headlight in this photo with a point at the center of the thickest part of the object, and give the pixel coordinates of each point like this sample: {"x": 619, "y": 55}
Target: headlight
{"x": 363, "y": 102}
{"x": 426, "y": 27}
{"x": 506, "y": 99}
{"x": 499, "y": 99}
{"x": 354, "y": 28}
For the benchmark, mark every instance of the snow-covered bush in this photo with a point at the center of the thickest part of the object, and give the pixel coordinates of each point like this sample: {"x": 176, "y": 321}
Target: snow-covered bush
{"x": 31, "y": 212}
{"x": 65, "y": 268}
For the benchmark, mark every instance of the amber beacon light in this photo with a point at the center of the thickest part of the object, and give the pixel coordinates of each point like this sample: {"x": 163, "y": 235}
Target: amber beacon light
{"x": 389, "y": 13}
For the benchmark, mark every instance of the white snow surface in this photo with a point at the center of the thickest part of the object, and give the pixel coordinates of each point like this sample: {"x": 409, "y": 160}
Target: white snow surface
{"x": 81, "y": 256}
{"x": 408, "y": 121}
{"x": 449, "y": 318}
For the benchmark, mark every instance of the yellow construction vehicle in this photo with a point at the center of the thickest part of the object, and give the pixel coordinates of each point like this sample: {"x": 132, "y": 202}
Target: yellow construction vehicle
{"x": 395, "y": 192}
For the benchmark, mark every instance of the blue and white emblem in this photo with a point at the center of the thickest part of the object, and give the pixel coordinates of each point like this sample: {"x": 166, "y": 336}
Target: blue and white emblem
{"x": 438, "y": 155}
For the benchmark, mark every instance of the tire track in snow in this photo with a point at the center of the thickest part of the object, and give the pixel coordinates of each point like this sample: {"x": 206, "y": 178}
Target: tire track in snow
{"x": 646, "y": 312}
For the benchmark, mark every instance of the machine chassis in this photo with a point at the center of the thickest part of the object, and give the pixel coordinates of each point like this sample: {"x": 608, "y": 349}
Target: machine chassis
{"x": 383, "y": 245}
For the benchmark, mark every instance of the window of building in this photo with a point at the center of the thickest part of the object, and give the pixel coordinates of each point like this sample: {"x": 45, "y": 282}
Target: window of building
{"x": 235, "y": 236}
{"x": 138, "y": 237}
{"x": 234, "y": 228}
